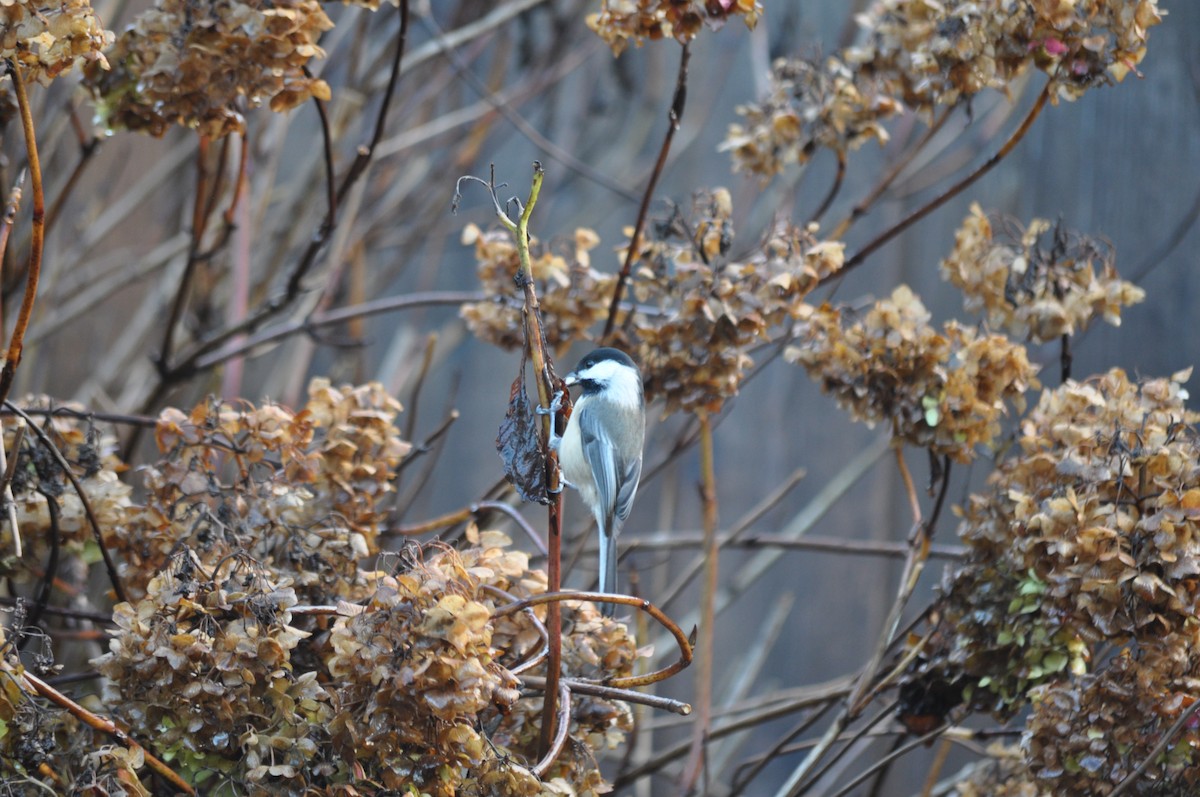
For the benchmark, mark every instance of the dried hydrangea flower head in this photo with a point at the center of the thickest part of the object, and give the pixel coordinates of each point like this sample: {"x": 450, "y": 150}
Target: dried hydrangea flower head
{"x": 621, "y": 21}
{"x": 1038, "y": 283}
{"x": 945, "y": 391}
{"x": 568, "y": 288}
{"x": 1080, "y": 589}
{"x": 203, "y": 65}
{"x": 46, "y": 41}
{"x": 810, "y": 106}
{"x": 937, "y": 53}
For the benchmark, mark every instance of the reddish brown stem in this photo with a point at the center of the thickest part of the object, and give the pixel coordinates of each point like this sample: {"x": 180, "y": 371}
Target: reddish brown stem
{"x": 37, "y": 236}
{"x": 106, "y": 726}
{"x": 635, "y": 242}
{"x": 950, "y": 192}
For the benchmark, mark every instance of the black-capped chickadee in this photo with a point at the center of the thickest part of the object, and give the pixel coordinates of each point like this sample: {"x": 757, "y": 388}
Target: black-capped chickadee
{"x": 601, "y": 450}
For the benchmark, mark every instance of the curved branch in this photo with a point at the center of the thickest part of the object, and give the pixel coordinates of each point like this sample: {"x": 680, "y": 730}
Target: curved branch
{"x": 685, "y": 644}
{"x": 950, "y": 192}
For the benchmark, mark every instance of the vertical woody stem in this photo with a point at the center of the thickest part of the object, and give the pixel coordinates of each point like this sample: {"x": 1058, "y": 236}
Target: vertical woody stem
{"x": 536, "y": 343}
{"x": 36, "y": 239}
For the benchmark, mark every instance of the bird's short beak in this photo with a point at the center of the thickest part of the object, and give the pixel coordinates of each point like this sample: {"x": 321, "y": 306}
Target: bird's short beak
{"x": 571, "y": 379}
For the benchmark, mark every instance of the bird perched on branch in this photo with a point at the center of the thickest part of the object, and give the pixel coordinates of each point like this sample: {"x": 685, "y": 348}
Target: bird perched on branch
{"x": 601, "y": 450}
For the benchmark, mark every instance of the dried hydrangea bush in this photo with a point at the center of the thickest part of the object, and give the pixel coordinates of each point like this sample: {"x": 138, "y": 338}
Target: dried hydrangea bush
{"x": 1080, "y": 591}
{"x": 401, "y": 678}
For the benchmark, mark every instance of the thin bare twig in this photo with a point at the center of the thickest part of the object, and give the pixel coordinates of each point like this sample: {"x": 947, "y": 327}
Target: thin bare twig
{"x": 465, "y": 514}
{"x": 1132, "y": 778}
{"x": 612, "y": 693}
{"x": 635, "y": 242}
{"x": 708, "y": 613}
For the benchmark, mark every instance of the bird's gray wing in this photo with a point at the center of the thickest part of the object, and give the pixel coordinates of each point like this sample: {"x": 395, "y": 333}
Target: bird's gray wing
{"x": 616, "y": 478}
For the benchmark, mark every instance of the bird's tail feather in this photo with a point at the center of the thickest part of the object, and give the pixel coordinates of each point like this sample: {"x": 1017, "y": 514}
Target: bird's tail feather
{"x": 608, "y": 568}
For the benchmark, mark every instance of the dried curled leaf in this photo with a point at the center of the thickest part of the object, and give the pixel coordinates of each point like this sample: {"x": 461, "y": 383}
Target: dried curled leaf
{"x": 519, "y": 444}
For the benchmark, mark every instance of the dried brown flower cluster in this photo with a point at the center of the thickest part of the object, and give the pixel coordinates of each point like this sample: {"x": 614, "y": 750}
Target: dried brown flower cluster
{"x": 49, "y": 40}
{"x": 945, "y": 391}
{"x": 297, "y": 491}
{"x": 697, "y": 311}
{"x": 410, "y": 689}
{"x": 1001, "y": 774}
{"x": 622, "y": 21}
{"x": 810, "y": 106}
{"x": 39, "y": 479}
{"x": 202, "y": 665}
{"x": 936, "y": 53}
{"x": 1086, "y": 543}
{"x": 388, "y": 681}
{"x": 569, "y": 290}
{"x": 426, "y": 661}
{"x": 1036, "y": 283}
{"x": 204, "y": 65}
{"x": 702, "y": 311}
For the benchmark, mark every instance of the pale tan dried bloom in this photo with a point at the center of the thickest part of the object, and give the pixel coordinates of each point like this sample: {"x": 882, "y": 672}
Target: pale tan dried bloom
{"x": 1036, "y": 286}
{"x": 49, "y": 40}
{"x": 204, "y": 65}
{"x": 297, "y": 491}
{"x": 622, "y": 21}
{"x": 693, "y": 351}
{"x": 936, "y": 53}
{"x": 810, "y": 106}
{"x": 945, "y": 391}
{"x": 569, "y": 290}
